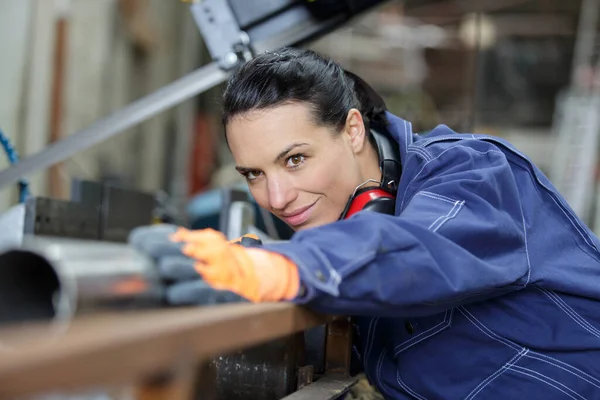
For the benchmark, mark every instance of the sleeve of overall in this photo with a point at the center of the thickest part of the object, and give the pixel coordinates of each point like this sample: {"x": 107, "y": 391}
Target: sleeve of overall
{"x": 460, "y": 238}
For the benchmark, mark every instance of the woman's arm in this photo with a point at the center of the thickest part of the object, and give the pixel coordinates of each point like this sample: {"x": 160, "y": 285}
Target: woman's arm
{"x": 460, "y": 238}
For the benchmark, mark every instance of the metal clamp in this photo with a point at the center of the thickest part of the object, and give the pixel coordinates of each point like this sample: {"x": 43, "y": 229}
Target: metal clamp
{"x": 227, "y": 43}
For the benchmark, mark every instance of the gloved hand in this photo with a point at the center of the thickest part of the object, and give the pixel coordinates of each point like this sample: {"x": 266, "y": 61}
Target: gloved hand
{"x": 253, "y": 273}
{"x": 184, "y": 284}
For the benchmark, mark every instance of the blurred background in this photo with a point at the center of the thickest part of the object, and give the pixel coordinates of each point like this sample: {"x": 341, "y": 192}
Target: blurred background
{"x": 524, "y": 70}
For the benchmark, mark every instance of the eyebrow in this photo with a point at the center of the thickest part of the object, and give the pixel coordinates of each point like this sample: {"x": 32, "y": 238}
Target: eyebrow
{"x": 282, "y": 154}
{"x": 285, "y": 151}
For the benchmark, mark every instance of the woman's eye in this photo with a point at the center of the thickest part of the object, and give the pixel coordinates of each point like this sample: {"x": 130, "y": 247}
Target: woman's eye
{"x": 251, "y": 175}
{"x": 295, "y": 161}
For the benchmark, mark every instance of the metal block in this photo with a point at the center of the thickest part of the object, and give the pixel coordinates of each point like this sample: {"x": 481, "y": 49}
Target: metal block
{"x": 123, "y": 210}
{"x": 86, "y": 192}
{"x": 97, "y": 211}
{"x": 265, "y": 372}
{"x": 50, "y": 217}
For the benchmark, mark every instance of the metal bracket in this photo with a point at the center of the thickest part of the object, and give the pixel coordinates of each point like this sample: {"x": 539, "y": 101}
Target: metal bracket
{"x": 227, "y": 44}
{"x": 242, "y": 221}
{"x": 241, "y": 218}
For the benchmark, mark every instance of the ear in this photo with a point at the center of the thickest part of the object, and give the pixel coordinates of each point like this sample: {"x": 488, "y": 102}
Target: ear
{"x": 355, "y": 130}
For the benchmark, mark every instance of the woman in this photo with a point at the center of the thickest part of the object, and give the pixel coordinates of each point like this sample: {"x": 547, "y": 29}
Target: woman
{"x": 482, "y": 284}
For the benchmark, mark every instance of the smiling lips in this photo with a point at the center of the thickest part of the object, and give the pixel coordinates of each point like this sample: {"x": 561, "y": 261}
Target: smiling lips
{"x": 299, "y": 216}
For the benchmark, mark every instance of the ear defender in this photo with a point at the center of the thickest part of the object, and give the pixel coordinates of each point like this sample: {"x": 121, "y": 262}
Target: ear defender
{"x": 381, "y": 199}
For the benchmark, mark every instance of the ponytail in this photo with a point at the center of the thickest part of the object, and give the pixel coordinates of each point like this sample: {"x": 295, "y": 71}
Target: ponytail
{"x": 371, "y": 104}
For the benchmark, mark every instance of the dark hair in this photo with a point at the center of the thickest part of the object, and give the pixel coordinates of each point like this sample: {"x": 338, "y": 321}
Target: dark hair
{"x": 297, "y": 75}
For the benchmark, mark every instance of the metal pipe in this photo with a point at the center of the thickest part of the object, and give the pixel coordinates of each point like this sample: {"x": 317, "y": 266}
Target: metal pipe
{"x": 54, "y": 279}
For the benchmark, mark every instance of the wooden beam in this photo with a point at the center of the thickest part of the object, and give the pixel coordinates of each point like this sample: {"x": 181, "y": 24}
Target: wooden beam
{"x": 57, "y": 186}
{"x": 124, "y": 348}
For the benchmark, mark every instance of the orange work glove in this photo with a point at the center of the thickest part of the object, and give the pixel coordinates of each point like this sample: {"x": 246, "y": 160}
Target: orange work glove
{"x": 256, "y": 274}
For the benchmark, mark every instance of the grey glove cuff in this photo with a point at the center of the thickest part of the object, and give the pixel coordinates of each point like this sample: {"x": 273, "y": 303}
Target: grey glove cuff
{"x": 199, "y": 293}
{"x": 155, "y": 241}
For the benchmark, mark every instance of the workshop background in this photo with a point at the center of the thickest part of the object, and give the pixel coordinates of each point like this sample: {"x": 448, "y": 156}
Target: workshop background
{"x": 519, "y": 69}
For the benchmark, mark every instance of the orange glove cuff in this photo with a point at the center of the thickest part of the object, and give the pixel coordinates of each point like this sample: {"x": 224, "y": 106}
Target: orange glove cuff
{"x": 278, "y": 276}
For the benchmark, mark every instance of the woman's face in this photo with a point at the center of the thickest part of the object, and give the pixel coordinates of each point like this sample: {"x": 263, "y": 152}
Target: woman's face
{"x": 300, "y": 171}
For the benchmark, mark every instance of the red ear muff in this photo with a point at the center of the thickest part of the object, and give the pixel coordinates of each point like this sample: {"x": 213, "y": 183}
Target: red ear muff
{"x": 370, "y": 199}
{"x": 381, "y": 199}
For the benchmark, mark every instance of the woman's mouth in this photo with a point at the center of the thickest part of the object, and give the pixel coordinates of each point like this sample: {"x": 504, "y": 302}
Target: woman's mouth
{"x": 299, "y": 216}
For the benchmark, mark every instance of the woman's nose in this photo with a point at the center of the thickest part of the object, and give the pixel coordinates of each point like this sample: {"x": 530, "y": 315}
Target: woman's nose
{"x": 281, "y": 193}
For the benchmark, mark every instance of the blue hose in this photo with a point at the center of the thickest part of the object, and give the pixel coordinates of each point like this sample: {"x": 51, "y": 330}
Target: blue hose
{"x": 13, "y": 158}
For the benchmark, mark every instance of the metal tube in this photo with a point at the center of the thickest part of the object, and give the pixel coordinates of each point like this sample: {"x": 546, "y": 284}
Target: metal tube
{"x": 52, "y": 279}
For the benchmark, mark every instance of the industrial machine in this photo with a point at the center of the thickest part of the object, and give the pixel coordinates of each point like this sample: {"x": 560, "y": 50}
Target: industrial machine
{"x": 233, "y": 31}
